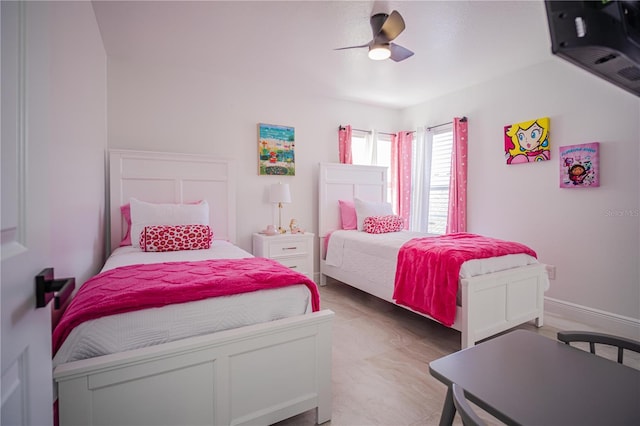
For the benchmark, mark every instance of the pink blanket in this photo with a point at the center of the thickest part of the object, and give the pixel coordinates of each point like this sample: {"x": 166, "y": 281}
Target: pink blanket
{"x": 428, "y": 270}
{"x": 135, "y": 287}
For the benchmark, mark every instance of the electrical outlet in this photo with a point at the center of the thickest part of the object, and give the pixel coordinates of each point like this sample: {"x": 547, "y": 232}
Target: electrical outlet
{"x": 551, "y": 271}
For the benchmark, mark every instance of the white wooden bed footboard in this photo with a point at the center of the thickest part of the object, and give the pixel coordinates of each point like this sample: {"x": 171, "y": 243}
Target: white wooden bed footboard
{"x": 259, "y": 374}
{"x": 496, "y": 302}
{"x": 491, "y": 303}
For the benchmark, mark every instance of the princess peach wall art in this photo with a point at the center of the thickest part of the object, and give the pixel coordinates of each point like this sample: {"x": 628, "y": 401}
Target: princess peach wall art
{"x": 527, "y": 141}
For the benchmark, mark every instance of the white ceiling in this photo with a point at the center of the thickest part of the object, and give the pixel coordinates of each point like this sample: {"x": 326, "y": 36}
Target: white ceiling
{"x": 290, "y": 43}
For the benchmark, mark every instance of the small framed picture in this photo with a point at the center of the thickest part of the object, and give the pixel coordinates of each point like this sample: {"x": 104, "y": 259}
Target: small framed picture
{"x": 276, "y": 150}
{"x": 580, "y": 165}
{"x": 527, "y": 141}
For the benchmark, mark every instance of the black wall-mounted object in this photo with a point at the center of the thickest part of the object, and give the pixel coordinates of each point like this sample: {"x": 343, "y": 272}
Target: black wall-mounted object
{"x": 48, "y": 288}
{"x": 602, "y": 37}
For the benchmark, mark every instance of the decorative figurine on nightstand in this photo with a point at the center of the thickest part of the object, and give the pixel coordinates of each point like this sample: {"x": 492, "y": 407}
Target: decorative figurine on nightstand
{"x": 271, "y": 230}
{"x": 295, "y": 229}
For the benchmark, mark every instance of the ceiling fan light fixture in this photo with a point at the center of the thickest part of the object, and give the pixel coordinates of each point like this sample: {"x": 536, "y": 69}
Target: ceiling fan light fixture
{"x": 385, "y": 29}
{"x": 379, "y": 52}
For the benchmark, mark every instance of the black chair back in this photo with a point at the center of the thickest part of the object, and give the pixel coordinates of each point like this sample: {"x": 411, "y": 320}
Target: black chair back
{"x": 593, "y": 338}
{"x": 468, "y": 415}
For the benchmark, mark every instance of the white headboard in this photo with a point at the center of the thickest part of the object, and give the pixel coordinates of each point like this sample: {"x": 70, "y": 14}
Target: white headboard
{"x": 162, "y": 177}
{"x": 345, "y": 182}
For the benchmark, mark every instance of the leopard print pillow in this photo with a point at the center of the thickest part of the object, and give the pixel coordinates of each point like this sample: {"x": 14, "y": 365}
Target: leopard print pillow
{"x": 175, "y": 237}
{"x": 382, "y": 224}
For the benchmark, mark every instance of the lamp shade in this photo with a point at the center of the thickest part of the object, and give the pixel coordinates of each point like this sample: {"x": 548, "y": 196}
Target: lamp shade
{"x": 279, "y": 193}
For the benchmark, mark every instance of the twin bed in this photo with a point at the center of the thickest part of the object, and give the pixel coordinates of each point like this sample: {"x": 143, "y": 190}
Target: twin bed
{"x": 494, "y": 294}
{"x": 251, "y": 358}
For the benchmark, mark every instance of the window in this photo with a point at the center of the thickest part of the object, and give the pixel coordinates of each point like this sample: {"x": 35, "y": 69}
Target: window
{"x": 431, "y": 172}
{"x": 383, "y": 158}
{"x": 361, "y": 147}
{"x": 442, "y": 144}
{"x": 373, "y": 149}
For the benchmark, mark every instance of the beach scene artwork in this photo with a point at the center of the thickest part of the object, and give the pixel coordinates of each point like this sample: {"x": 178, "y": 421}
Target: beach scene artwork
{"x": 276, "y": 148}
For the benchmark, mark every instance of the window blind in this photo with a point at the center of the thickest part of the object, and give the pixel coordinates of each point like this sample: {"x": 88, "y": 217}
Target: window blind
{"x": 439, "y": 183}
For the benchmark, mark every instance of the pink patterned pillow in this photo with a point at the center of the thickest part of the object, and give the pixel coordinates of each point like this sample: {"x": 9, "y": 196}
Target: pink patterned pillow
{"x": 175, "y": 237}
{"x": 382, "y": 224}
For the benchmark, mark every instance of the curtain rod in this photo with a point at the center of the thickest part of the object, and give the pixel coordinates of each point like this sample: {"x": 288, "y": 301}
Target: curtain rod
{"x": 463, "y": 119}
{"x": 369, "y": 131}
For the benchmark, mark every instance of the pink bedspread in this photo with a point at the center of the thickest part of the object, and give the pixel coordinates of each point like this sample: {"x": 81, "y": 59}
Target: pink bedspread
{"x": 428, "y": 270}
{"x": 135, "y": 287}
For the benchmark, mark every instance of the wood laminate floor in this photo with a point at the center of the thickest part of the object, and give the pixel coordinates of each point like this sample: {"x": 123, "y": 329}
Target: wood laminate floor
{"x": 381, "y": 354}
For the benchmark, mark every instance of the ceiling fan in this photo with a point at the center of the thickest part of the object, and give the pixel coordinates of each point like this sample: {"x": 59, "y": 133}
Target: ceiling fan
{"x": 385, "y": 29}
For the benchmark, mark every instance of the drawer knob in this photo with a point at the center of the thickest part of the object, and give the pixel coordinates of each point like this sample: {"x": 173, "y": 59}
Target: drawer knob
{"x": 289, "y": 248}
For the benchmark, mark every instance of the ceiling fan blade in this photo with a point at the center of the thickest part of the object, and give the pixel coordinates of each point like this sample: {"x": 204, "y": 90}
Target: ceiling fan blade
{"x": 377, "y": 21}
{"x": 399, "y": 53}
{"x": 352, "y": 47}
{"x": 392, "y": 27}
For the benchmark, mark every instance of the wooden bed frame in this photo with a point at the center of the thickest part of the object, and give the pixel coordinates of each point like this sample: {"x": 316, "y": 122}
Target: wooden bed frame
{"x": 491, "y": 303}
{"x": 258, "y": 374}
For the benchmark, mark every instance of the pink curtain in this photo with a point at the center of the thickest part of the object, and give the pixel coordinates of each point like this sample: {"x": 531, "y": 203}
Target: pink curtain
{"x": 344, "y": 144}
{"x": 401, "y": 173}
{"x": 457, "y": 216}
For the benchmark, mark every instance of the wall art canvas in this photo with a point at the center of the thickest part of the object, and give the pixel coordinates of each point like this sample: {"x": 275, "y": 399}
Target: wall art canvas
{"x": 276, "y": 146}
{"x": 527, "y": 141}
{"x": 580, "y": 165}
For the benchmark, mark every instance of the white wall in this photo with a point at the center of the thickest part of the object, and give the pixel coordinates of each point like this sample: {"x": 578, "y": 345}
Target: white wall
{"x": 76, "y": 133}
{"x": 162, "y": 108}
{"x": 591, "y": 235}
{"x": 66, "y": 126}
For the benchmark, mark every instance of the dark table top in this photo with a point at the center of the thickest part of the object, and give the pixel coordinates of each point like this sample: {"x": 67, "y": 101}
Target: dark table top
{"x": 524, "y": 378}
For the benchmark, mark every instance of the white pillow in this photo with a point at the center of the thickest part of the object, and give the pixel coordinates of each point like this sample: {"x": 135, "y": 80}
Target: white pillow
{"x": 368, "y": 208}
{"x": 146, "y": 214}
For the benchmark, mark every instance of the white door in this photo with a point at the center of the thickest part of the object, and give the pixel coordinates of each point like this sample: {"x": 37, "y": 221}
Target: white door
{"x": 26, "y": 331}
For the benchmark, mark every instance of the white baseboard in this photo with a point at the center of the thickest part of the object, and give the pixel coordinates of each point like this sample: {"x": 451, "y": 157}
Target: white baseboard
{"x": 566, "y": 315}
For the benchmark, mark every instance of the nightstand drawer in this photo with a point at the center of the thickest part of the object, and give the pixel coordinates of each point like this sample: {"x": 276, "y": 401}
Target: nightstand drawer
{"x": 298, "y": 264}
{"x": 287, "y": 248}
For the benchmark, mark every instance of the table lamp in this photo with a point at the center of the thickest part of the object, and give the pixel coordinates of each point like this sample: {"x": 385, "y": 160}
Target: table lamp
{"x": 280, "y": 193}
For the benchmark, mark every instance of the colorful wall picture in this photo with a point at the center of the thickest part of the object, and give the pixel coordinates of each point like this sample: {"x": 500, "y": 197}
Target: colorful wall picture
{"x": 579, "y": 165}
{"x": 527, "y": 141}
{"x": 276, "y": 145}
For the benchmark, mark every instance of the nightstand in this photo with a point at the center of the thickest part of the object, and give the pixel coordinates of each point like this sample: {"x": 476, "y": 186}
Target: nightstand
{"x": 292, "y": 250}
